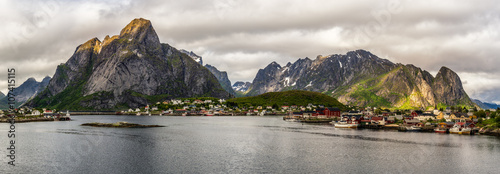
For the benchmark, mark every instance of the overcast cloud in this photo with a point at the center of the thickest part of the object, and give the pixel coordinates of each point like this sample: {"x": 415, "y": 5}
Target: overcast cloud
{"x": 242, "y": 36}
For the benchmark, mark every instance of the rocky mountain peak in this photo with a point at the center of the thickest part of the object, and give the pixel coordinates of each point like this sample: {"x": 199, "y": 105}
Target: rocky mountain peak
{"x": 241, "y": 86}
{"x": 92, "y": 44}
{"x": 135, "y": 27}
{"x": 191, "y": 54}
{"x": 142, "y": 31}
{"x": 31, "y": 79}
{"x": 46, "y": 79}
{"x": 274, "y": 65}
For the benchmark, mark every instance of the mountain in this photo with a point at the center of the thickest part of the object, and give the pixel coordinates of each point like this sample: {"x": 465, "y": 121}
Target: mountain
{"x": 30, "y": 88}
{"x": 362, "y": 79}
{"x": 485, "y": 105}
{"x": 2, "y": 95}
{"x": 27, "y": 90}
{"x": 126, "y": 71}
{"x": 195, "y": 57}
{"x": 222, "y": 78}
{"x": 240, "y": 86}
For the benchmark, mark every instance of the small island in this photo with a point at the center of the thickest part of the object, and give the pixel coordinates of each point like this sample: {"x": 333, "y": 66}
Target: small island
{"x": 120, "y": 124}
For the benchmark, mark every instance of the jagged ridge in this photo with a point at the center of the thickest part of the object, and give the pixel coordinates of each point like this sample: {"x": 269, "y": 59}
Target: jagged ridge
{"x": 362, "y": 79}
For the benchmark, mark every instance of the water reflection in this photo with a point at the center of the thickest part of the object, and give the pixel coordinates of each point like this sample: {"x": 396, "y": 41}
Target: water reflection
{"x": 242, "y": 145}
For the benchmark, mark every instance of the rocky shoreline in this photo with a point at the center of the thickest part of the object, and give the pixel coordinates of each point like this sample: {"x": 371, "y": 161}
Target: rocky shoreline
{"x": 25, "y": 120}
{"x": 490, "y": 131}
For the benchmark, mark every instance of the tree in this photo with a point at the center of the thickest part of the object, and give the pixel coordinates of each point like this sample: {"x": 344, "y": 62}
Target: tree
{"x": 493, "y": 115}
{"x": 480, "y": 114}
{"x": 275, "y": 106}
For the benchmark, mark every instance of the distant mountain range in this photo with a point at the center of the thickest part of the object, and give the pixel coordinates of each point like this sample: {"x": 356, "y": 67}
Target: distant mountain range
{"x": 134, "y": 69}
{"x": 129, "y": 70}
{"x": 360, "y": 78}
{"x": 27, "y": 90}
{"x": 486, "y": 105}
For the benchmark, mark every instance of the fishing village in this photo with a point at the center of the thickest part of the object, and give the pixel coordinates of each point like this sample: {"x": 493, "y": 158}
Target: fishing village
{"x": 453, "y": 120}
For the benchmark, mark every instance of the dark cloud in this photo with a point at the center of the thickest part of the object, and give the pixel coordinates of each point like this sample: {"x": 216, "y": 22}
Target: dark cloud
{"x": 462, "y": 35}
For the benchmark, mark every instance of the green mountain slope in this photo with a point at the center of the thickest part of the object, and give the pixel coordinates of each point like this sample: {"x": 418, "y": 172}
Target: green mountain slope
{"x": 293, "y": 97}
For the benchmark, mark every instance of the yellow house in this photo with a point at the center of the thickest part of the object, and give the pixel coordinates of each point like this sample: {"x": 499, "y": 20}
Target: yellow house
{"x": 459, "y": 116}
{"x": 440, "y": 116}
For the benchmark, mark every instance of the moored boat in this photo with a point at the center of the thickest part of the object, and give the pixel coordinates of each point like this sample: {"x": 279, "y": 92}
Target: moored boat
{"x": 440, "y": 130}
{"x": 345, "y": 124}
{"x": 461, "y": 128}
{"x": 413, "y": 128}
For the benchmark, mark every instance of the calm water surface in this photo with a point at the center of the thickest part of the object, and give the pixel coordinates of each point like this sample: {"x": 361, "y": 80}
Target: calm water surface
{"x": 239, "y": 145}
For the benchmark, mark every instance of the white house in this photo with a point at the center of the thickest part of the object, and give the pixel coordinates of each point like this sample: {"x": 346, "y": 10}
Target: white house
{"x": 36, "y": 112}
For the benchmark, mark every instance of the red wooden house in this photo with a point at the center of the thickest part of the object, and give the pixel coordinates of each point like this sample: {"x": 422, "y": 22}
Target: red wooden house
{"x": 328, "y": 112}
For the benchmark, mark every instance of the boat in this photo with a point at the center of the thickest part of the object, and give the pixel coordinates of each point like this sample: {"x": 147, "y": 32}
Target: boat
{"x": 440, "y": 130}
{"x": 460, "y": 128}
{"x": 345, "y": 124}
{"x": 413, "y": 128}
{"x": 67, "y": 113}
{"x": 138, "y": 114}
{"x": 291, "y": 119}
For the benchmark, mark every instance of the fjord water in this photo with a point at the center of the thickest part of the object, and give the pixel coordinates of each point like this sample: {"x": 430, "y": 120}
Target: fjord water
{"x": 239, "y": 145}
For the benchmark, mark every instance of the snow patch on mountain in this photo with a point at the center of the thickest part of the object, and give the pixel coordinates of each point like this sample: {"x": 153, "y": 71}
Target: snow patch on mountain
{"x": 195, "y": 57}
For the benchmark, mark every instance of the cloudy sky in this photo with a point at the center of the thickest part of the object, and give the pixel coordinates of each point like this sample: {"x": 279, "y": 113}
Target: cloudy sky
{"x": 242, "y": 36}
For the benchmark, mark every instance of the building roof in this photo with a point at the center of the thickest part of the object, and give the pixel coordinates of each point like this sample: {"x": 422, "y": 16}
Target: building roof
{"x": 329, "y": 108}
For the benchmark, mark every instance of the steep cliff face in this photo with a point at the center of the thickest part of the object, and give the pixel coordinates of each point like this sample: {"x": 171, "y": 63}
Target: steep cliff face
{"x": 406, "y": 87}
{"x": 362, "y": 79}
{"x": 448, "y": 88}
{"x": 128, "y": 70}
{"x": 222, "y": 78}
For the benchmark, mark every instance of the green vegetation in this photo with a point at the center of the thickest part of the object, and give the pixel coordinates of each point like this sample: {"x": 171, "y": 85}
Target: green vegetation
{"x": 293, "y": 97}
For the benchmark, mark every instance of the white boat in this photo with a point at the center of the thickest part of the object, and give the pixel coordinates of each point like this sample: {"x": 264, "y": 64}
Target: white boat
{"x": 459, "y": 128}
{"x": 345, "y": 124}
{"x": 413, "y": 128}
{"x": 291, "y": 119}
